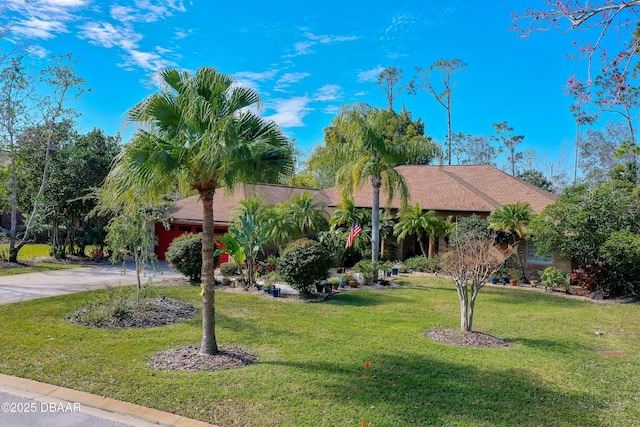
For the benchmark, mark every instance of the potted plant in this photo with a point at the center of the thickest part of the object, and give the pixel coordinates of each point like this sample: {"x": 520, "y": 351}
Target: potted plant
{"x": 334, "y": 282}
{"x": 514, "y": 275}
{"x": 494, "y": 277}
{"x": 228, "y": 269}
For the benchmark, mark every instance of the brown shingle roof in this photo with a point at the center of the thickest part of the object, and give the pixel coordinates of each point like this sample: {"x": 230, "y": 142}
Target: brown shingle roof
{"x": 463, "y": 188}
{"x": 189, "y": 210}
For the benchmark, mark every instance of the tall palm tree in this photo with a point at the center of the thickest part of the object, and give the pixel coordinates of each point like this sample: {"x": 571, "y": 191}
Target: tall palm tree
{"x": 513, "y": 218}
{"x": 199, "y": 133}
{"x": 372, "y": 157}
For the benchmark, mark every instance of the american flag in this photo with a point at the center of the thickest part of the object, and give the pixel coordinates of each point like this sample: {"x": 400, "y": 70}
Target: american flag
{"x": 353, "y": 233}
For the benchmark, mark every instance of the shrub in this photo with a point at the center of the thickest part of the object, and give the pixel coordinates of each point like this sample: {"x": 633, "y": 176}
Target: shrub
{"x": 621, "y": 253}
{"x": 370, "y": 269}
{"x": 593, "y": 277}
{"x": 185, "y": 255}
{"x": 424, "y": 264}
{"x": 229, "y": 268}
{"x": 554, "y": 277}
{"x": 303, "y": 262}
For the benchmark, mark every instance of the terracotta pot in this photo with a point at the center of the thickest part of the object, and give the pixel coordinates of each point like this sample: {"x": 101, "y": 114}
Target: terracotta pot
{"x": 353, "y": 283}
{"x": 335, "y": 286}
{"x": 226, "y": 281}
{"x": 513, "y": 282}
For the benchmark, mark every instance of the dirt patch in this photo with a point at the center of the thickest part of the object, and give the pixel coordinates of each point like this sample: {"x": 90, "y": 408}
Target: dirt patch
{"x": 189, "y": 359}
{"x": 468, "y": 339}
{"x": 148, "y": 313}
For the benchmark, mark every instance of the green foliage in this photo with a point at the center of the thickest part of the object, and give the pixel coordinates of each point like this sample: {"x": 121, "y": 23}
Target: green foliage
{"x": 229, "y": 268}
{"x": 536, "y": 178}
{"x": 621, "y": 253}
{"x": 513, "y": 273}
{"x": 423, "y": 264}
{"x": 370, "y": 270}
{"x": 304, "y": 262}
{"x": 582, "y": 219}
{"x": 554, "y": 277}
{"x": 511, "y": 218}
{"x": 469, "y": 227}
{"x": 185, "y": 255}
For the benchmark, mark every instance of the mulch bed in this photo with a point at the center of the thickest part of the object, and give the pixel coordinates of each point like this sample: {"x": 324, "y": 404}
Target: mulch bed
{"x": 469, "y": 339}
{"x": 189, "y": 359}
{"x": 149, "y": 313}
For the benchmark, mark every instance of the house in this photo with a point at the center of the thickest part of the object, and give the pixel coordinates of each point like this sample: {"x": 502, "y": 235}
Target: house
{"x": 186, "y": 214}
{"x": 451, "y": 191}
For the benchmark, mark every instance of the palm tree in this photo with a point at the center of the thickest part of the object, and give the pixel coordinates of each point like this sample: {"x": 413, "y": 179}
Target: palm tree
{"x": 413, "y": 221}
{"x": 199, "y": 133}
{"x": 308, "y": 215}
{"x": 373, "y": 158}
{"x": 513, "y": 218}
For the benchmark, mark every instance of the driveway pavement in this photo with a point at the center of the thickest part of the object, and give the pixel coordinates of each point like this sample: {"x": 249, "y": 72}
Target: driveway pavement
{"x": 27, "y": 403}
{"x": 23, "y": 287}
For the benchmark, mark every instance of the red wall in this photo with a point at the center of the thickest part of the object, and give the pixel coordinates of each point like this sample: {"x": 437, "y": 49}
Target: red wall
{"x": 165, "y": 237}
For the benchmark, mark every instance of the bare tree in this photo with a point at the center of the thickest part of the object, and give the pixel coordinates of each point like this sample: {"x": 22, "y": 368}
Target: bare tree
{"x": 470, "y": 264}
{"x": 389, "y": 82}
{"x": 447, "y": 68}
{"x": 474, "y": 149}
{"x": 601, "y": 18}
{"x": 504, "y": 134}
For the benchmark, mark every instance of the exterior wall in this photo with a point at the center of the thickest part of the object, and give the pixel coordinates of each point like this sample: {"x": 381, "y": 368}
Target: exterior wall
{"x": 165, "y": 237}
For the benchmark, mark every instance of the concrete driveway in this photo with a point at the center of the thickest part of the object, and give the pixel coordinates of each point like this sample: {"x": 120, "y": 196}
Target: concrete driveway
{"x": 23, "y": 287}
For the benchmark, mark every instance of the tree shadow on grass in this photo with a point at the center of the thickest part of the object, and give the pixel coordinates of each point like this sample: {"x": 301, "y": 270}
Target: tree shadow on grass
{"x": 419, "y": 390}
{"x": 522, "y": 296}
{"x": 364, "y": 298}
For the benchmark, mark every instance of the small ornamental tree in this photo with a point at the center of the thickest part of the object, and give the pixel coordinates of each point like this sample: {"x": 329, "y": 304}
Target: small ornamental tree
{"x": 303, "y": 262}
{"x": 470, "y": 264}
{"x": 185, "y": 255}
{"x": 131, "y": 234}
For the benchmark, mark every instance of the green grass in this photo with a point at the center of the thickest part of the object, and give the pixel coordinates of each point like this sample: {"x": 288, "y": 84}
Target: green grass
{"x": 28, "y": 252}
{"x": 312, "y": 356}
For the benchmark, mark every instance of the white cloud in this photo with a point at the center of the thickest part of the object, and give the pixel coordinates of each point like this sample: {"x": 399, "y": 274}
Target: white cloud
{"x": 328, "y": 93}
{"x": 107, "y": 35}
{"x": 289, "y": 112}
{"x": 148, "y": 60}
{"x": 370, "y": 75}
{"x": 288, "y": 79}
{"x": 146, "y": 10}
{"x": 329, "y": 39}
{"x": 38, "y": 51}
{"x": 38, "y": 28}
{"x": 305, "y": 47}
{"x": 250, "y": 79}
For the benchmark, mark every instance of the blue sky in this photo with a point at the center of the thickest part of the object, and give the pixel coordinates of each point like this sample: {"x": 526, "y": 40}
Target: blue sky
{"x": 306, "y": 59}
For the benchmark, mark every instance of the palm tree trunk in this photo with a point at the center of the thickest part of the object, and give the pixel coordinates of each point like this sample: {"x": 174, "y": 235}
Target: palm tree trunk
{"x": 432, "y": 245}
{"x": 208, "y": 345}
{"x": 376, "y": 182}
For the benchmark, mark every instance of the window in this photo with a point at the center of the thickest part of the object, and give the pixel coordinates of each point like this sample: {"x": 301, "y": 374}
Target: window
{"x": 185, "y": 228}
{"x": 531, "y": 256}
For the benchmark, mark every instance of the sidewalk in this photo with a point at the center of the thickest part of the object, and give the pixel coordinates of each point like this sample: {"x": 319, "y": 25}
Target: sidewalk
{"x": 27, "y": 403}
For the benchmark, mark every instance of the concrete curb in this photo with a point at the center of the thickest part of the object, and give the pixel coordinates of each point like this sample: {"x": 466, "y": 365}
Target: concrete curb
{"x": 99, "y": 406}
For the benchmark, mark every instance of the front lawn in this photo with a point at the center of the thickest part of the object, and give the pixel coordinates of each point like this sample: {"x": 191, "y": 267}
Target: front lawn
{"x": 27, "y": 255}
{"x": 311, "y": 368}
